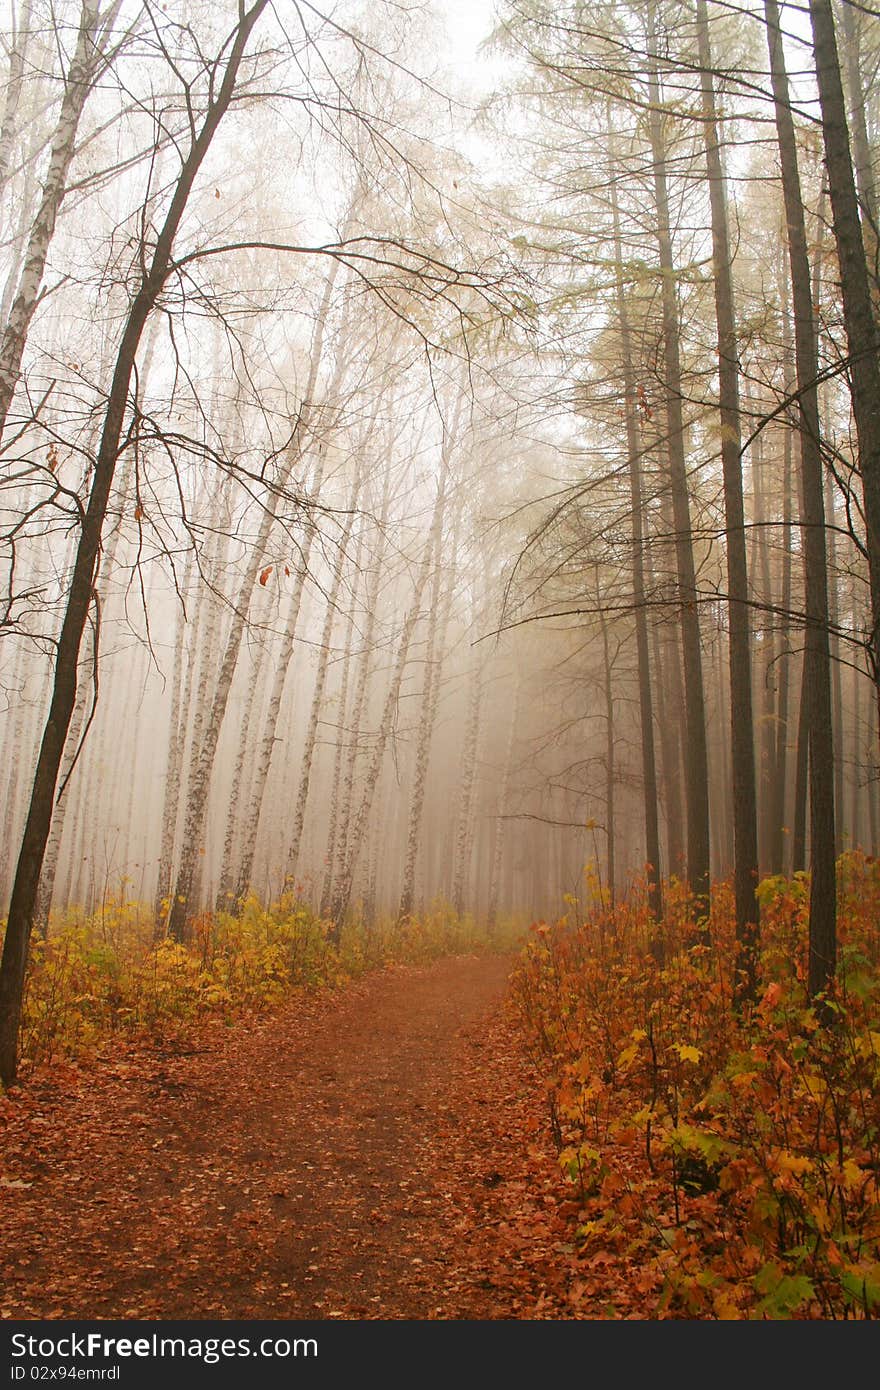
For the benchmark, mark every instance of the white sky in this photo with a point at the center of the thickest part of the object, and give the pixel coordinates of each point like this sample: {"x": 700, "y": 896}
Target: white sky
{"x": 468, "y": 23}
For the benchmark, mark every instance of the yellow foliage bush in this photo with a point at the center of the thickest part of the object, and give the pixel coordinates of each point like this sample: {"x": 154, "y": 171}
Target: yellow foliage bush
{"x": 99, "y": 974}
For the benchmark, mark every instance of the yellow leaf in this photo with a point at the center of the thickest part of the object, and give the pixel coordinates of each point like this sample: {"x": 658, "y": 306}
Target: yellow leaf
{"x": 815, "y": 1085}
{"x": 725, "y": 1308}
{"x": 687, "y": 1053}
{"x": 853, "y": 1176}
{"x": 743, "y": 1079}
{"x": 794, "y": 1163}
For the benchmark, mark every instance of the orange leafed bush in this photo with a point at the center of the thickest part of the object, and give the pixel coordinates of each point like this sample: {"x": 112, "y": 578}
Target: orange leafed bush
{"x": 734, "y": 1157}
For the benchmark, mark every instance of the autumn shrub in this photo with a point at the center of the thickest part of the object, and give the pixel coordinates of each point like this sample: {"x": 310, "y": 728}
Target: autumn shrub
{"x": 99, "y": 974}
{"x": 95, "y": 975}
{"x": 437, "y": 931}
{"x": 732, "y": 1154}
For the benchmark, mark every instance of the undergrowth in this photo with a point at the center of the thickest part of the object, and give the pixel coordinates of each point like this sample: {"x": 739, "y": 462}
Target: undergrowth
{"x": 730, "y": 1159}
{"x": 96, "y": 976}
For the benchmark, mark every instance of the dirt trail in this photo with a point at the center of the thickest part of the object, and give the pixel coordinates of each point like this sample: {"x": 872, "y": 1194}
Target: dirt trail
{"x": 360, "y": 1155}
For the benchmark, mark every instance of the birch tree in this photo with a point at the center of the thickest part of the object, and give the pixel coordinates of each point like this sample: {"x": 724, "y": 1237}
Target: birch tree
{"x": 93, "y": 40}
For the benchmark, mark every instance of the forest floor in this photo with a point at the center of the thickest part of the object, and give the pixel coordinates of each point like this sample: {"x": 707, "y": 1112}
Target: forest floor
{"x": 375, "y": 1152}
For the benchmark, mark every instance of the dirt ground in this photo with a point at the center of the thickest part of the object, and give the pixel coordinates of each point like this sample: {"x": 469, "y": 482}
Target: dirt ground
{"x": 377, "y": 1152}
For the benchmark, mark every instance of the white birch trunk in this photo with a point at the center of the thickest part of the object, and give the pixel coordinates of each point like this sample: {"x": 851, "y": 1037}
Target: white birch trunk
{"x": 253, "y": 702}
{"x": 342, "y": 892}
{"x": 180, "y": 695}
{"x": 84, "y": 65}
{"x": 430, "y": 683}
{"x": 463, "y": 840}
{"x": 337, "y": 868}
{"x": 333, "y": 814}
{"x": 302, "y": 795}
{"x": 9, "y": 127}
{"x": 53, "y": 844}
{"x": 499, "y": 835}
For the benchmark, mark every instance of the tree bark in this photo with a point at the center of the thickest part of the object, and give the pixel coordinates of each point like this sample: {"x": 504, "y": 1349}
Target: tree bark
{"x": 225, "y": 896}
{"x": 181, "y": 696}
{"x": 333, "y": 812}
{"x": 463, "y": 837}
{"x": 299, "y": 814}
{"x": 696, "y": 754}
{"x": 84, "y": 66}
{"x": 430, "y": 679}
{"x": 498, "y": 835}
{"x": 640, "y": 616}
{"x": 610, "y": 768}
{"x": 858, "y": 315}
{"x": 816, "y": 695}
{"x": 359, "y": 703}
{"x": 745, "y": 811}
{"x": 9, "y": 126}
{"x": 852, "y": 33}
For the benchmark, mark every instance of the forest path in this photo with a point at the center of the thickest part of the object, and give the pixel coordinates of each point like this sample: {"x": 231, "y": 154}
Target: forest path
{"x": 377, "y": 1152}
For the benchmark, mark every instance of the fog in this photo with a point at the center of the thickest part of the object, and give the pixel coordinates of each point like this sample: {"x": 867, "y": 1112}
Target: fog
{"x": 361, "y": 623}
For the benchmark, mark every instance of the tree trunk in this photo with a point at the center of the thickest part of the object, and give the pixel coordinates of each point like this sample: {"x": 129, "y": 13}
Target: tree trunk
{"x": 498, "y": 836}
{"x": 640, "y": 616}
{"x": 858, "y": 315}
{"x": 816, "y": 695}
{"x": 333, "y": 813}
{"x": 244, "y": 870}
{"x": 79, "y": 600}
{"x": 669, "y": 726}
{"x": 873, "y": 775}
{"x": 722, "y": 789}
{"x": 834, "y": 653}
{"x": 72, "y": 749}
{"x": 463, "y": 837}
{"x": 610, "y": 769}
{"x": 225, "y": 897}
{"x": 801, "y": 778}
{"x": 779, "y": 781}
{"x": 359, "y": 702}
{"x": 181, "y": 695}
{"x": 855, "y": 825}
{"x": 17, "y": 748}
{"x": 852, "y": 33}
{"x": 84, "y": 67}
{"x": 430, "y": 681}
{"x": 9, "y": 126}
{"x": 302, "y": 796}
{"x": 199, "y": 711}
{"x": 745, "y": 817}
{"x": 766, "y": 675}
{"x": 355, "y": 839}
{"x": 197, "y": 796}
{"x": 696, "y": 755}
